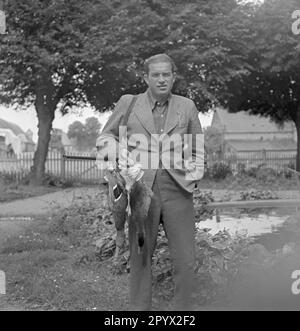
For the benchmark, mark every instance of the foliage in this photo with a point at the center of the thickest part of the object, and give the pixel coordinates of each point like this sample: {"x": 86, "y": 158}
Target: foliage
{"x": 287, "y": 173}
{"x": 265, "y": 174}
{"x": 52, "y": 180}
{"x": 270, "y": 83}
{"x": 83, "y": 224}
{"x": 187, "y": 31}
{"x": 86, "y": 134}
{"x": 82, "y": 237}
{"x": 258, "y": 195}
{"x": 43, "y": 60}
{"x": 10, "y": 190}
{"x": 201, "y": 201}
{"x": 60, "y": 54}
{"x": 43, "y": 275}
{"x": 220, "y": 170}
{"x": 217, "y": 263}
{"x": 84, "y": 221}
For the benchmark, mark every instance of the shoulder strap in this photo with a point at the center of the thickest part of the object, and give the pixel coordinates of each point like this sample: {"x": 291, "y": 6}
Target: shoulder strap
{"x": 132, "y": 104}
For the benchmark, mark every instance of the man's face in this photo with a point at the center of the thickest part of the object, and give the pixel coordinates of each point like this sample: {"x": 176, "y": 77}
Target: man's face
{"x": 160, "y": 79}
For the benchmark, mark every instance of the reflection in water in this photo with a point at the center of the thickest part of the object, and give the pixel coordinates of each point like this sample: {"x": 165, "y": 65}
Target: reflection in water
{"x": 253, "y": 222}
{"x": 264, "y": 280}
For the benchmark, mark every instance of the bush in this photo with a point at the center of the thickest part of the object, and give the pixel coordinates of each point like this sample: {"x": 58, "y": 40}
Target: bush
{"x": 262, "y": 173}
{"x": 201, "y": 201}
{"x": 241, "y": 168}
{"x": 52, "y": 180}
{"x": 251, "y": 172}
{"x": 220, "y": 170}
{"x": 286, "y": 172}
{"x": 258, "y": 195}
{"x": 266, "y": 174}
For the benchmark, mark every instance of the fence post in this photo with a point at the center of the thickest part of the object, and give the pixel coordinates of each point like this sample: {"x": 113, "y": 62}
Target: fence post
{"x": 62, "y": 164}
{"x": 264, "y": 156}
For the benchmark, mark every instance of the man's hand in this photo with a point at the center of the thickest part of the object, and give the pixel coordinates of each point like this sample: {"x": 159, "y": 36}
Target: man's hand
{"x": 135, "y": 172}
{"x": 125, "y": 159}
{"x": 190, "y": 165}
{"x": 130, "y": 171}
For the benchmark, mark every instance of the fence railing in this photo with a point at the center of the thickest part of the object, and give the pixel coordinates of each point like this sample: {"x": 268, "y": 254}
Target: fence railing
{"x": 277, "y": 160}
{"x": 74, "y": 167}
{"x": 81, "y": 168}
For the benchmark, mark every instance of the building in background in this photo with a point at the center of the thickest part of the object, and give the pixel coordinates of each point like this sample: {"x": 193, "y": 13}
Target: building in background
{"x": 244, "y": 133}
{"x": 60, "y": 142}
{"x": 13, "y": 140}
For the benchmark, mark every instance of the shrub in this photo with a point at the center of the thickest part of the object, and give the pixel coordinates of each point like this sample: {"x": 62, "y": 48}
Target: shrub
{"x": 52, "y": 180}
{"x": 251, "y": 172}
{"x": 266, "y": 174}
{"x": 201, "y": 201}
{"x": 241, "y": 168}
{"x": 220, "y": 170}
{"x": 286, "y": 172}
{"x": 257, "y": 195}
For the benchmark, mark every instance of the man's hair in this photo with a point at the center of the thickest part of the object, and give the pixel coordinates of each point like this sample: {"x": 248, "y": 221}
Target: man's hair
{"x": 158, "y": 59}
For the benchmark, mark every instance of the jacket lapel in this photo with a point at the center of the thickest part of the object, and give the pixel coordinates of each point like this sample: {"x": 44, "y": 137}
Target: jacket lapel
{"x": 173, "y": 115}
{"x": 143, "y": 112}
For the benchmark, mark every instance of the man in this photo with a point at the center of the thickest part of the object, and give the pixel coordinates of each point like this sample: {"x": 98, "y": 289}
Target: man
{"x": 167, "y": 126}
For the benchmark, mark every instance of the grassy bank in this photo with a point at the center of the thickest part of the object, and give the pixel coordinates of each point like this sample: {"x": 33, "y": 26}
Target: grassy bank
{"x": 64, "y": 263}
{"x": 46, "y": 272}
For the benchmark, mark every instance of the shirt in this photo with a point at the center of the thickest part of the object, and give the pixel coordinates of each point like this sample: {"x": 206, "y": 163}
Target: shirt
{"x": 159, "y": 111}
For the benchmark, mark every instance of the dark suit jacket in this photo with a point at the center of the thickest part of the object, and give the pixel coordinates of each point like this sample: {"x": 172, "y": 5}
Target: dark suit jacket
{"x": 182, "y": 119}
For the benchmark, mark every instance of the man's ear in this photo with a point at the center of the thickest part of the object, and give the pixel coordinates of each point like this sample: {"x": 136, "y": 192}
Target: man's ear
{"x": 146, "y": 79}
{"x": 174, "y": 77}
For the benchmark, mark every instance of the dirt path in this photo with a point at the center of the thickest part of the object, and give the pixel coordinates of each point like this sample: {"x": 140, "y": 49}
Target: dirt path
{"x": 43, "y": 205}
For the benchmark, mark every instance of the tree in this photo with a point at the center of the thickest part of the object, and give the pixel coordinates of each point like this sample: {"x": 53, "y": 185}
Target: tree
{"x": 270, "y": 84}
{"x": 41, "y": 60}
{"x": 61, "y": 53}
{"x": 86, "y": 134}
{"x": 187, "y": 31}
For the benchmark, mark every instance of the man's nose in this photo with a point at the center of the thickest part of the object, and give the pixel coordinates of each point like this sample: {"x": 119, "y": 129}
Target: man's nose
{"x": 161, "y": 79}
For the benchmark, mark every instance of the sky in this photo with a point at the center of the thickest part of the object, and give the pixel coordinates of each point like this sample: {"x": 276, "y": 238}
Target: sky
{"x": 27, "y": 119}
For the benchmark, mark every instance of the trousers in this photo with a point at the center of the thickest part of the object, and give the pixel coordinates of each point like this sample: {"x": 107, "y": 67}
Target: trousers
{"x": 174, "y": 207}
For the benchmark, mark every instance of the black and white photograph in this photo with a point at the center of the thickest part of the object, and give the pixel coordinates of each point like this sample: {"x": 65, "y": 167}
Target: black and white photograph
{"x": 149, "y": 158}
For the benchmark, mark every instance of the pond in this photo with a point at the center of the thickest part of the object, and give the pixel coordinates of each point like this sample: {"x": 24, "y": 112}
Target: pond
{"x": 265, "y": 280}
{"x": 264, "y": 225}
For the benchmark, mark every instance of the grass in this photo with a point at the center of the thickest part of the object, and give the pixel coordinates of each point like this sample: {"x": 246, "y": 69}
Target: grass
{"x": 11, "y": 192}
{"x": 45, "y": 272}
{"x": 53, "y": 265}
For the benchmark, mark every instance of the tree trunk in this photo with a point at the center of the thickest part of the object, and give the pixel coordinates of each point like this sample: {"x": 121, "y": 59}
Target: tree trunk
{"x": 297, "y": 123}
{"x": 45, "y": 119}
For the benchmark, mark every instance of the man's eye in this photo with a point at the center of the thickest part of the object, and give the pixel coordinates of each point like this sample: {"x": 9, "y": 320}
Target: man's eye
{"x": 166, "y": 75}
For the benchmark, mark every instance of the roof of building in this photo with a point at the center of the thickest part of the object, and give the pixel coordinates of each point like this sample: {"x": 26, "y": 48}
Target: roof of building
{"x": 258, "y": 145}
{"x": 244, "y": 122}
{"x": 15, "y": 129}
